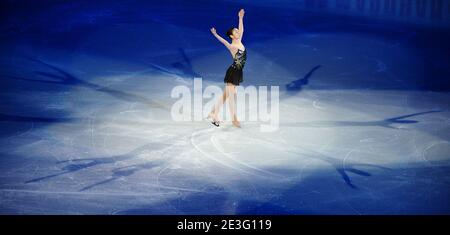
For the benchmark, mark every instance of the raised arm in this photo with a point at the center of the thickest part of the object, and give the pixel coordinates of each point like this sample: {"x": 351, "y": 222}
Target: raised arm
{"x": 223, "y": 41}
{"x": 241, "y": 23}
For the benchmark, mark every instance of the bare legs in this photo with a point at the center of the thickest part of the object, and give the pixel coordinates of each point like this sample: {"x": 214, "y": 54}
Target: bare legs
{"x": 232, "y": 102}
{"x": 229, "y": 92}
{"x": 214, "y": 112}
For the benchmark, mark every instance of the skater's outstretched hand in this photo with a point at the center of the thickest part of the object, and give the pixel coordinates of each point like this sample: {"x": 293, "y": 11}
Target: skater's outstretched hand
{"x": 241, "y": 23}
{"x": 241, "y": 13}
{"x": 213, "y": 31}
{"x": 223, "y": 41}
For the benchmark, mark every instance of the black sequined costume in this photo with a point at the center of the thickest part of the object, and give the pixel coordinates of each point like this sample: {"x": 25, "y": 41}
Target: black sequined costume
{"x": 234, "y": 72}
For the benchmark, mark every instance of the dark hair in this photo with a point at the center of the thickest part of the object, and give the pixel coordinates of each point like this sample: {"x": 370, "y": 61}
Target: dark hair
{"x": 230, "y": 32}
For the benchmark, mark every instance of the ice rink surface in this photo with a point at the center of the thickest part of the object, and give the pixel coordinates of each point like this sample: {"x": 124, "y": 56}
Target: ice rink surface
{"x": 86, "y": 127}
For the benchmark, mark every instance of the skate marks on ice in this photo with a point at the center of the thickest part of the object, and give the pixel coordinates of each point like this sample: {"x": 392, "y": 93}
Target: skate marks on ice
{"x": 75, "y": 165}
{"x": 205, "y": 142}
{"x": 151, "y": 156}
{"x": 386, "y": 123}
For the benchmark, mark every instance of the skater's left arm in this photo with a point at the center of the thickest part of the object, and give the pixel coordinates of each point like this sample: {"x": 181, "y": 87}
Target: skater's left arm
{"x": 241, "y": 23}
{"x": 223, "y": 41}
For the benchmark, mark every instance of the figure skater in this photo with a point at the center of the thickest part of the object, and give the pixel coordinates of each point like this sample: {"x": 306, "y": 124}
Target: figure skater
{"x": 234, "y": 74}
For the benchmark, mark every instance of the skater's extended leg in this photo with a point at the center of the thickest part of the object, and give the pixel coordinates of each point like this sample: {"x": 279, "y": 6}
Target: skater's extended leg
{"x": 232, "y": 102}
{"x": 216, "y": 109}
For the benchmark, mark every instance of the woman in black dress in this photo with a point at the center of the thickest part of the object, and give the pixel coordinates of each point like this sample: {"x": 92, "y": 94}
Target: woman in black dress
{"x": 234, "y": 74}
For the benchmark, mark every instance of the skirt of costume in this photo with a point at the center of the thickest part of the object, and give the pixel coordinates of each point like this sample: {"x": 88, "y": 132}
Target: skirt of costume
{"x": 235, "y": 73}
